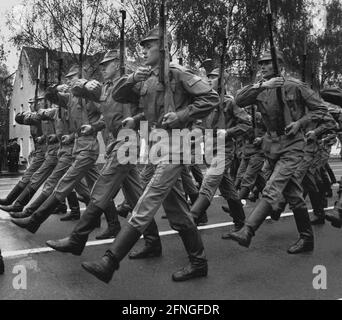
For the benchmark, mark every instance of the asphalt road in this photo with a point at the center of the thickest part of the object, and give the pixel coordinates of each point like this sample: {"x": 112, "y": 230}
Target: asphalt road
{"x": 264, "y": 271}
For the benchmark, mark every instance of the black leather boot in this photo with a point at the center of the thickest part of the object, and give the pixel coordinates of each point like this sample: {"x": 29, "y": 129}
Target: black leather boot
{"x": 198, "y": 266}
{"x": 238, "y": 215}
{"x": 33, "y": 222}
{"x": 105, "y": 267}
{"x": 319, "y": 214}
{"x": 306, "y": 240}
{"x": 79, "y": 236}
{"x": 72, "y": 244}
{"x": 2, "y": 266}
{"x": 124, "y": 209}
{"x": 75, "y": 212}
{"x": 198, "y": 210}
{"x": 31, "y": 208}
{"x": 61, "y": 209}
{"x": 13, "y": 195}
{"x": 152, "y": 247}
{"x": 113, "y": 222}
{"x": 254, "y": 221}
{"x": 21, "y": 201}
{"x": 335, "y": 218}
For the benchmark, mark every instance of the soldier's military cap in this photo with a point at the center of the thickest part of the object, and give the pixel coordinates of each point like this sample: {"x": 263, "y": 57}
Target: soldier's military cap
{"x": 208, "y": 65}
{"x": 216, "y": 72}
{"x": 31, "y": 100}
{"x": 267, "y": 56}
{"x": 111, "y": 55}
{"x": 154, "y": 35}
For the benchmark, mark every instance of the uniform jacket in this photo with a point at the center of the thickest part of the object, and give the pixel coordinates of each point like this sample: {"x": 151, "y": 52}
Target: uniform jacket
{"x": 193, "y": 97}
{"x": 297, "y": 95}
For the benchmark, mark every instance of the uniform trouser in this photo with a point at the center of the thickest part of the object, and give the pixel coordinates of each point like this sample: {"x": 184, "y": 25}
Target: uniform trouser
{"x": 254, "y": 167}
{"x": 285, "y": 156}
{"x": 217, "y": 176}
{"x": 45, "y": 170}
{"x": 241, "y": 171}
{"x": 64, "y": 162}
{"x": 188, "y": 183}
{"x": 197, "y": 173}
{"x": 36, "y": 163}
{"x": 300, "y": 174}
{"x": 165, "y": 188}
{"x": 83, "y": 166}
{"x": 113, "y": 177}
{"x": 282, "y": 182}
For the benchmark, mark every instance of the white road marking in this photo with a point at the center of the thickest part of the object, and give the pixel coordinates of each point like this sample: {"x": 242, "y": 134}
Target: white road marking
{"x": 26, "y": 252}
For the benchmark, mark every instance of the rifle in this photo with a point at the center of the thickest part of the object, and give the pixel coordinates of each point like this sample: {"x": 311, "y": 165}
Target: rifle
{"x": 180, "y": 59}
{"x": 37, "y": 88}
{"x": 46, "y": 74}
{"x": 221, "y": 87}
{"x": 284, "y": 107}
{"x": 164, "y": 72}
{"x": 304, "y": 61}
{"x": 122, "y": 39}
{"x": 59, "y": 79}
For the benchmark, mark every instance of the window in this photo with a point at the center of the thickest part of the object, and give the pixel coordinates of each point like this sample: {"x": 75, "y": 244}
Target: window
{"x": 14, "y": 113}
{"x": 21, "y": 143}
{"x": 31, "y": 145}
{"x": 21, "y": 81}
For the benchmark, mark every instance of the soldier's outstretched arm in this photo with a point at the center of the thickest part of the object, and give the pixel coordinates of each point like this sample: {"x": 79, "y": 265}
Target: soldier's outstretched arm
{"x": 86, "y": 89}
{"x": 28, "y": 118}
{"x": 48, "y": 114}
{"x": 204, "y": 98}
{"x": 59, "y": 98}
{"x": 127, "y": 90}
{"x": 243, "y": 120}
{"x": 317, "y": 108}
{"x": 248, "y": 95}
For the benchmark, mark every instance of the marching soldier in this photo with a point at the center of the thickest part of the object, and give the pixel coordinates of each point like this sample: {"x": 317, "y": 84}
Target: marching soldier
{"x": 65, "y": 132}
{"x": 50, "y": 162}
{"x": 284, "y": 147}
{"x": 87, "y": 123}
{"x": 237, "y": 122}
{"x": 38, "y": 158}
{"x": 113, "y": 175}
{"x": 194, "y": 99}
{"x": 253, "y": 158}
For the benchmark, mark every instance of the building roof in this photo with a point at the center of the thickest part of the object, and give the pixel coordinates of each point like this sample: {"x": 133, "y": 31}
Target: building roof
{"x": 37, "y": 56}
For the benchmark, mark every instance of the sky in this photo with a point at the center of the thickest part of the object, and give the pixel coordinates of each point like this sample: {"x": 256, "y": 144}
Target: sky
{"x": 12, "y": 60}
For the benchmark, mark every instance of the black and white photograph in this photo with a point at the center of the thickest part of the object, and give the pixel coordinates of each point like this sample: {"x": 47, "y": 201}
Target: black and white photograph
{"x": 170, "y": 155}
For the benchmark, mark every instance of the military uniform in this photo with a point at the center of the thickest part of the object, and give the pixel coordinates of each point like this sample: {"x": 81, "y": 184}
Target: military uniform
{"x": 38, "y": 158}
{"x": 113, "y": 175}
{"x": 252, "y": 160}
{"x": 64, "y": 127}
{"x": 236, "y": 122}
{"x": 284, "y": 154}
{"x": 44, "y": 171}
{"x": 193, "y": 99}
{"x": 85, "y": 154}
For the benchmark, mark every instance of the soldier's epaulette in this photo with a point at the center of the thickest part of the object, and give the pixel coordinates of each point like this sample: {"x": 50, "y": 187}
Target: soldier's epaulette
{"x": 175, "y": 66}
{"x": 295, "y": 81}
